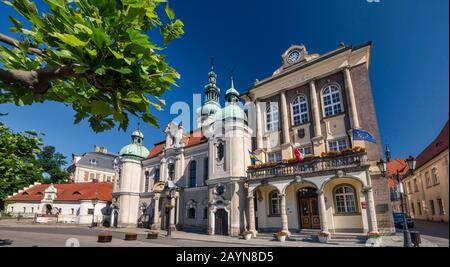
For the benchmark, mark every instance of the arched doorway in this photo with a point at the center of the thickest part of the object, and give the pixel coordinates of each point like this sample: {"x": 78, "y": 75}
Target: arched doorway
{"x": 308, "y": 208}
{"x": 221, "y": 222}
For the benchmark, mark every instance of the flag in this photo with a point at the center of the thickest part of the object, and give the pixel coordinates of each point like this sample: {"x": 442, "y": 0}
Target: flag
{"x": 253, "y": 157}
{"x": 298, "y": 155}
{"x": 363, "y": 135}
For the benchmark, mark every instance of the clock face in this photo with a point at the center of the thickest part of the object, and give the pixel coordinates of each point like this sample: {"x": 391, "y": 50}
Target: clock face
{"x": 294, "y": 56}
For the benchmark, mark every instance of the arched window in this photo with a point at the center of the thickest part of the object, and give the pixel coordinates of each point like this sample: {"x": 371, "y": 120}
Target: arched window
{"x": 434, "y": 176}
{"x": 274, "y": 204}
{"x": 345, "y": 199}
{"x": 157, "y": 175}
{"x": 272, "y": 117}
{"x": 299, "y": 110}
{"x": 220, "y": 152}
{"x": 205, "y": 170}
{"x": 193, "y": 174}
{"x": 191, "y": 213}
{"x": 171, "y": 168}
{"x": 331, "y": 96}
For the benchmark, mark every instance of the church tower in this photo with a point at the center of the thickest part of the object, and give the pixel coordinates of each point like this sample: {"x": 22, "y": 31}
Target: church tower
{"x": 128, "y": 185}
{"x": 205, "y": 114}
{"x": 228, "y": 152}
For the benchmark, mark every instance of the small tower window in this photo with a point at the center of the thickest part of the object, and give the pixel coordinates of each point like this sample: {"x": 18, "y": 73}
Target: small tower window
{"x": 220, "y": 152}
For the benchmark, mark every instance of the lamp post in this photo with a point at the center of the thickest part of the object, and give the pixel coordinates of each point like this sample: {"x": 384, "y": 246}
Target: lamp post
{"x": 94, "y": 202}
{"x": 170, "y": 187}
{"x": 382, "y": 165}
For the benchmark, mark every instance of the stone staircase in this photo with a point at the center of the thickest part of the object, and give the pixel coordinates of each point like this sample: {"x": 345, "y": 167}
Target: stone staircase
{"x": 310, "y": 235}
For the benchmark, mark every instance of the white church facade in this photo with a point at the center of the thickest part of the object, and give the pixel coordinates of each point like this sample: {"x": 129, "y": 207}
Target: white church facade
{"x": 205, "y": 181}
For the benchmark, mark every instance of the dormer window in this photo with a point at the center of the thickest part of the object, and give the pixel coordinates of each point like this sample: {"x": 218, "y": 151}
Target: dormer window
{"x": 76, "y": 193}
{"x": 93, "y": 161}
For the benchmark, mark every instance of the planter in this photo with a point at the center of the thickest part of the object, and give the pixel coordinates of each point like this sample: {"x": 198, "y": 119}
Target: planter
{"x": 130, "y": 236}
{"x": 104, "y": 238}
{"x": 281, "y": 238}
{"x": 324, "y": 236}
{"x": 374, "y": 242}
{"x": 324, "y": 239}
{"x": 248, "y": 236}
{"x": 152, "y": 235}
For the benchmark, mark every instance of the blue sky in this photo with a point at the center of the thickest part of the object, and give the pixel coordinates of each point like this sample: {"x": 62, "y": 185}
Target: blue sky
{"x": 409, "y": 68}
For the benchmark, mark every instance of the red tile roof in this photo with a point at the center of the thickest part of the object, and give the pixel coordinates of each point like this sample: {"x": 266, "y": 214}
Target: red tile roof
{"x": 435, "y": 148}
{"x": 193, "y": 139}
{"x": 395, "y": 165}
{"x": 68, "y": 192}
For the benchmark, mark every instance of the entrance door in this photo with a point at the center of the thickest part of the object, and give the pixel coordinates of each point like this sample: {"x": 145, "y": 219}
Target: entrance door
{"x": 221, "y": 222}
{"x": 308, "y": 209}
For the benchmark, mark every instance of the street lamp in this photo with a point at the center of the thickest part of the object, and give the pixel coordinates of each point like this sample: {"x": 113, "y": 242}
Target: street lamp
{"x": 170, "y": 186}
{"x": 382, "y": 165}
{"x": 94, "y": 202}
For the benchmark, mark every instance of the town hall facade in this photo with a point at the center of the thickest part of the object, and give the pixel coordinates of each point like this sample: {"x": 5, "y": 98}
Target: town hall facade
{"x": 205, "y": 181}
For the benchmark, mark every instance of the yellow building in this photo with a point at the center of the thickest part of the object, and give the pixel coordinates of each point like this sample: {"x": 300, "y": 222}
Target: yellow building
{"x": 427, "y": 189}
{"x": 311, "y": 104}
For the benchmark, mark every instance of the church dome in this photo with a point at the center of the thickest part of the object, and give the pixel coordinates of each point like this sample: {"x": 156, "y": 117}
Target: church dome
{"x": 135, "y": 149}
{"x": 232, "y": 111}
{"x": 210, "y": 108}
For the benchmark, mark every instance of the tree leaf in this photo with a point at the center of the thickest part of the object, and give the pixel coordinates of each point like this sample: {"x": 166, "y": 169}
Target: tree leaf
{"x": 69, "y": 39}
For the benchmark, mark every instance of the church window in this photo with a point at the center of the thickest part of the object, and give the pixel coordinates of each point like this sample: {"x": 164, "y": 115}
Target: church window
{"x": 191, "y": 213}
{"x": 272, "y": 117}
{"x": 274, "y": 204}
{"x": 193, "y": 174}
{"x": 156, "y": 177}
{"x": 171, "y": 168}
{"x": 220, "y": 152}
{"x": 205, "y": 213}
{"x": 331, "y": 97}
{"x": 299, "y": 110}
{"x": 205, "y": 170}
{"x": 345, "y": 199}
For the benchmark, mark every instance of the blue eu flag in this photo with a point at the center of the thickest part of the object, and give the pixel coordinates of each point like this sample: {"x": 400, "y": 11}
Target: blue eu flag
{"x": 363, "y": 135}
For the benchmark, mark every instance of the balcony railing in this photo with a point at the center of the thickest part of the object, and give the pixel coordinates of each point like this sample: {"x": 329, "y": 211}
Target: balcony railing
{"x": 309, "y": 166}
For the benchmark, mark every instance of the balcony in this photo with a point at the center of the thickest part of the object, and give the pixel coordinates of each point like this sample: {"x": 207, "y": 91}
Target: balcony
{"x": 310, "y": 167}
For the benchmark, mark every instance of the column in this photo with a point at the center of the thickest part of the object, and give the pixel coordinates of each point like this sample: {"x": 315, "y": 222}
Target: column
{"x": 156, "y": 225}
{"x": 172, "y": 214}
{"x": 259, "y": 130}
{"x": 211, "y": 222}
{"x": 322, "y": 212}
{"x": 315, "y": 109}
{"x": 285, "y": 118}
{"x": 351, "y": 98}
{"x": 284, "y": 218}
{"x": 251, "y": 215}
{"x": 371, "y": 214}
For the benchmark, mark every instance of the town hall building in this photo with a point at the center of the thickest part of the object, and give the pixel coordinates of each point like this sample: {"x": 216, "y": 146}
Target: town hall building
{"x": 204, "y": 180}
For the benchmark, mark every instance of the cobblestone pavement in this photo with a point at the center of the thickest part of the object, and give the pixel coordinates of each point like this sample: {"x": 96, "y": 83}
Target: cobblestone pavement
{"x": 13, "y": 233}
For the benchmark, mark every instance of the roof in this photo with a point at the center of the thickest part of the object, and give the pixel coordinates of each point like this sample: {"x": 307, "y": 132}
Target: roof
{"x": 399, "y": 165}
{"x": 103, "y": 160}
{"x": 193, "y": 139}
{"x": 435, "y": 148}
{"x": 68, "y": 192}
{"x": 304, "y": 65}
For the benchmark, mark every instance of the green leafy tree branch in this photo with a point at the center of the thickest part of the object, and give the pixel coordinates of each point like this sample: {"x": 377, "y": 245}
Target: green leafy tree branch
{"x": 93, "y": 55}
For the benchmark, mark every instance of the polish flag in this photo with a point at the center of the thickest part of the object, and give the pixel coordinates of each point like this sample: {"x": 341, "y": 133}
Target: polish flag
{"x": 298, "y": 154}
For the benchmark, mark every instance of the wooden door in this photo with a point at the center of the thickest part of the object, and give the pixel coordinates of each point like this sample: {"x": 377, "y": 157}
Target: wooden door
{"x": 221, "y": 222}
{"x": 308, "y": 209}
